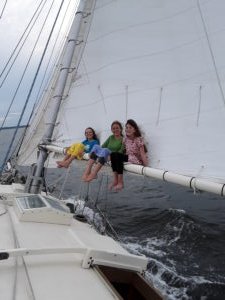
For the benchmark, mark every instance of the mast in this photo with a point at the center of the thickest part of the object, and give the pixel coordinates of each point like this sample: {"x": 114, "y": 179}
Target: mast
{"x": 35, "y": 183}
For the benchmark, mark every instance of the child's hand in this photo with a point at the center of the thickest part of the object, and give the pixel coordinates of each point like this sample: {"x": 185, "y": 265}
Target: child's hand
{"x": 81, "y": 153}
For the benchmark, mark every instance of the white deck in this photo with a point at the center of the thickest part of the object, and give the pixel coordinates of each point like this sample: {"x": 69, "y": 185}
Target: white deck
{"x": 53, "y": 276}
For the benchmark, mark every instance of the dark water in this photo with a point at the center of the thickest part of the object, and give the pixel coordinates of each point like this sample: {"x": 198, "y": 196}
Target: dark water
{"x": 6, "y": 135}
{"x": 181, "y": 233}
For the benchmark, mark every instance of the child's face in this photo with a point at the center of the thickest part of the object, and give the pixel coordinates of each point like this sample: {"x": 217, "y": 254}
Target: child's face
{"x": 116, "y": 130}
{"x": 89, "y": 134}
{"x": 130, "y": 130}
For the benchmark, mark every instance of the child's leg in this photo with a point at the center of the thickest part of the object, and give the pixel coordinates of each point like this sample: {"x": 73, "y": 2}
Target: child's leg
{"x": 117, "y": 167}
{"x": 115, "y": 180}
{"x": 120, "y": 184}
{"x": 94, "y": 172}
{"x": 60, "y": 163}
{"x": 87, "y": 171}
{"x": 66, "y": 162}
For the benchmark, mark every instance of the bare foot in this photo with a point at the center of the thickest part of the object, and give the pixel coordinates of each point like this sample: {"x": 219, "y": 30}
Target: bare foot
{"x": 118, "y": 187}
{"x": 112, "y": 185}
{"x": 84, "y": 177}
{"x": 66, "y": 165}
{"x": 90, "y": 178}
{"x": 62, "y": 164}
{"x": 59, "y": 164}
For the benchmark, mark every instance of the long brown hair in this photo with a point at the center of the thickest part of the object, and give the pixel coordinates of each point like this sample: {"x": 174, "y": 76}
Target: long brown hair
{"x": 93, "y": 131}
{"x": 132, "y": 123}
{"x": 137, "y": 132}
{"x": 119, "y": 124}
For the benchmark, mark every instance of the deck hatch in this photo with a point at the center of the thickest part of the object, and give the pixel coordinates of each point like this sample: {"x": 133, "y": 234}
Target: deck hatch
{"x": 41, "y": 209}
{"x": 128, "y": 285}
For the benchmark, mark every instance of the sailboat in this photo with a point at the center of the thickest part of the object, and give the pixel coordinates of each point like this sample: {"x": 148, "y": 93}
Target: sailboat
{"x": 158, "y": 62}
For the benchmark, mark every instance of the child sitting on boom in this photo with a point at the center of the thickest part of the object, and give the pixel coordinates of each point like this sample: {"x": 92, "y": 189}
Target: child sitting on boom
{"x": 135, "y": 153}
{"x": 77, "y": 150}
{"x": 102, "y": 154}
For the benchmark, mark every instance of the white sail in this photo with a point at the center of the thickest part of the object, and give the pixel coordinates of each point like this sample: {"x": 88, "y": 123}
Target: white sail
{"x": 162, "y": 64}
{"x": 158, "y": 62}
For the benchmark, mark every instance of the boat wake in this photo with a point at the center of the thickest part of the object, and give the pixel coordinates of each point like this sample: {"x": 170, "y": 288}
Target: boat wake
{"x": 178, "y": 264}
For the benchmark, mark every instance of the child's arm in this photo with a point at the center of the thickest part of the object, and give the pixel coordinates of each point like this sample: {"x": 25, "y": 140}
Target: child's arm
{"x": 106, "y": 143}
{"x": 144, "y": 156}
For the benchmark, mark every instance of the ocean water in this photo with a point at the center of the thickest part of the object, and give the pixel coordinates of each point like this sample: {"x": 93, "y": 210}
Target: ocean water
{"x": 182, "y": 233}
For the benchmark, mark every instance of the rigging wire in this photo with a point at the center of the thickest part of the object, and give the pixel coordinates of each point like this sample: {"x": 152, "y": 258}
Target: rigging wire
{"x": 24, "y": 72}
{"x": 12, "y": 101}
{"x": 20, "y": 40}
{"x": 51, "y": 54}
{"x": 32, "y": 85}
{"x": 94, "y": 204}
{"x": 41, "y": 88}
{"x": 3, "y": 9}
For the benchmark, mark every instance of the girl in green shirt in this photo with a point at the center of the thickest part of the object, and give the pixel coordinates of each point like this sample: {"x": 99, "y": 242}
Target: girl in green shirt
{"x": 101, "y": 154}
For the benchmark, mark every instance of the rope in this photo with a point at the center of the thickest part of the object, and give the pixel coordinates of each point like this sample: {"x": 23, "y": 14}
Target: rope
{"x": 64, "y": 182}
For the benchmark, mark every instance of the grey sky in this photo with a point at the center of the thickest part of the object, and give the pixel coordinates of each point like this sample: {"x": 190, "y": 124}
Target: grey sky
{"x": 15, "y": 19}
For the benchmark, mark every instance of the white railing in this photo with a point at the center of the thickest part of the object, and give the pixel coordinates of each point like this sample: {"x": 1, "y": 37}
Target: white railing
{"x": 91, "y": 257}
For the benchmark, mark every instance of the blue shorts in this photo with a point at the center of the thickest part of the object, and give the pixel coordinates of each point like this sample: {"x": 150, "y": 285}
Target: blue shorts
{"x": 100, "y": 154}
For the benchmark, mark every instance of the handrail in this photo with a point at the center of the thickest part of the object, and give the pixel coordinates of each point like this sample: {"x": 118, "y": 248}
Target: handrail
{"x": 91, "y": 257}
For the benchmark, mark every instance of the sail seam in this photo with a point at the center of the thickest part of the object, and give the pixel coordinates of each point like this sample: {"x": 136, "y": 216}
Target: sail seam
{"x": 211, "y": 51}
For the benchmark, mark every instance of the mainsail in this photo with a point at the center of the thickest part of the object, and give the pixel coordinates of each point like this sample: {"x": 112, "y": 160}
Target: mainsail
{"x": 158, "y": 62}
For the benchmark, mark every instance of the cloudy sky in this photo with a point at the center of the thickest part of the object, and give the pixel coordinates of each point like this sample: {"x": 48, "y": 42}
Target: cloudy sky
{"x": 16, "y": 17}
